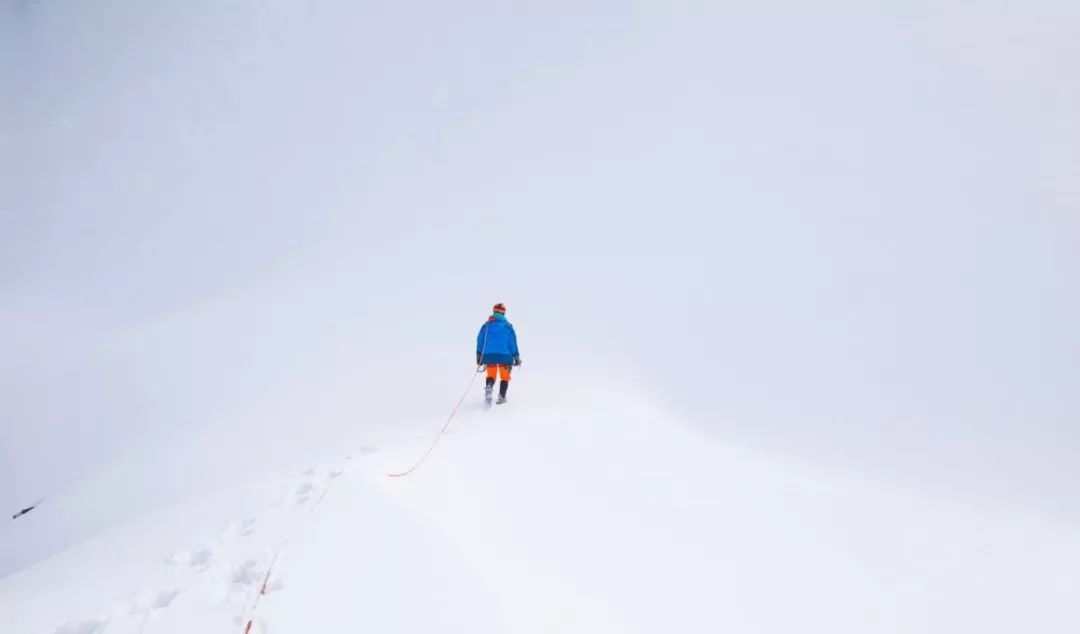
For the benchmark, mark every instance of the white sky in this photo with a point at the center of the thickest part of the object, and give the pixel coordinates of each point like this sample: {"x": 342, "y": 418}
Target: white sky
{"x": 848, "y": 233}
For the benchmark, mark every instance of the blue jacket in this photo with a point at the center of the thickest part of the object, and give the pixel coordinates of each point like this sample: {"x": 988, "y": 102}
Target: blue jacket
{"x": 496, "y": 344}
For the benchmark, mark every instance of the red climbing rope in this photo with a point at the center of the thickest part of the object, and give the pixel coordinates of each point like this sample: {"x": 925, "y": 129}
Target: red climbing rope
{"x": 449, "y": 419}
{"x": 435, "y": 441}
{"x": 277, "y": 554}
{"x": 439, "y": 435}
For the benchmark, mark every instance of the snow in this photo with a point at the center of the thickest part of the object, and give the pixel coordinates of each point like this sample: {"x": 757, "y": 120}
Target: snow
{"x": 819, "y": 273}
{"x": 575, "y": 513}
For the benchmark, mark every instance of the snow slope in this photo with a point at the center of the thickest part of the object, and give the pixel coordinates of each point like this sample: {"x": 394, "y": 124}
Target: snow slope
{"x": 575, "y": 513}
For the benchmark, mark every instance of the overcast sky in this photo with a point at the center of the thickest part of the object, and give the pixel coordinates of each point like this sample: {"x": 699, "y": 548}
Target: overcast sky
{"x": 847, "y": 233}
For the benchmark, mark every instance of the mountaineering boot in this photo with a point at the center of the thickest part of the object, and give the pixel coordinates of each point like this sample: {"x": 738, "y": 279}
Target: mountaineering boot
{"x": 489, "y": 386}
{"x": 503, "y": 385}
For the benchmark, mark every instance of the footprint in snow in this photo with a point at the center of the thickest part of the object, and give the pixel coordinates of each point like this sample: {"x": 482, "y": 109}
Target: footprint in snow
{"x": 242, "y": 528}
{"x": 303, "y": 492}
{"x": 82, "y": 627}
{"x": 164, "y": 599}
{"x": 247, "y": 528}
{"x": 245, "y": 574}
{"x": 275, "y": 586}
{"x": 149, "y": 600}
{"x": 201, "y": 558}
{"x": 198, "y": 558}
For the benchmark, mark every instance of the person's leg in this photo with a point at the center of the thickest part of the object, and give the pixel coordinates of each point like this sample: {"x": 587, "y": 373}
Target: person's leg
{"x": 489, "y": 383}
{"x": 504, "y": 374}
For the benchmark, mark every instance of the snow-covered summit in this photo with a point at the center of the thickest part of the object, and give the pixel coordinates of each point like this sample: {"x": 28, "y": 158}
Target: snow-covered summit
{"x": 577, "y": 514}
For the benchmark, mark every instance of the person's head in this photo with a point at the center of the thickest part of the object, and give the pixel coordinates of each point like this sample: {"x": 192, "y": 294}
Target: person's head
{"x": 499, "y": 309}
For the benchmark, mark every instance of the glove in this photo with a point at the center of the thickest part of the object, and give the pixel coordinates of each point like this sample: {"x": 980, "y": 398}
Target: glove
{"x": 477, "y": 358}
{"x": 517, "y": 361}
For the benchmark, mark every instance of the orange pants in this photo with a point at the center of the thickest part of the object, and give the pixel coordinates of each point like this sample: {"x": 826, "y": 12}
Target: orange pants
{"x": 502, "y": 370}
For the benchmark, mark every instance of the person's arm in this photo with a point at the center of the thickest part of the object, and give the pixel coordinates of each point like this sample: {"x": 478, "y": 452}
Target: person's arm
{"x": 514, "y": 346}
{"x": 481, "y": 340}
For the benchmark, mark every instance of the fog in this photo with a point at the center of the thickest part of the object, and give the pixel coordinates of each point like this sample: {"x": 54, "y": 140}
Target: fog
{"x": 845, "y": 234}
